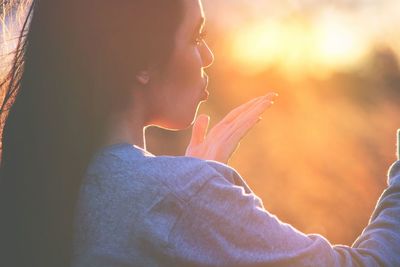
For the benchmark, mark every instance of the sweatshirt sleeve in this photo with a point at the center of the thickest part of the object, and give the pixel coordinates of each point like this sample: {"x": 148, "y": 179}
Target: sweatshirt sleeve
{"x": 226, "y": 225}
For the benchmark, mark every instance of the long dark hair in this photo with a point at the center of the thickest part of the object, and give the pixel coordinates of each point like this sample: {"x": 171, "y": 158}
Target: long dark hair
{"x": 74, "y": 64}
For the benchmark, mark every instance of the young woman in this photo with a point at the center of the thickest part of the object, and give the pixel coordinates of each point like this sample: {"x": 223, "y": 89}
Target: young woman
{"x": 78, "y": 187}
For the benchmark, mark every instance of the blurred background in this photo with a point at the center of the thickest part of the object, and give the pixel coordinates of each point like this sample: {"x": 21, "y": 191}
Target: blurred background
{"x": 319, "y": 157}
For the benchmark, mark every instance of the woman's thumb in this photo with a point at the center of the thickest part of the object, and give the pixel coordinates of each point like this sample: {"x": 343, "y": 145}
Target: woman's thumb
{"x": 199, "y": 130}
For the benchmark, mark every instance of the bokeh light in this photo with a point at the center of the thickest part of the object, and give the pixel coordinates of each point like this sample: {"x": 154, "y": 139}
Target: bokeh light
{"x": 300, "y": 46}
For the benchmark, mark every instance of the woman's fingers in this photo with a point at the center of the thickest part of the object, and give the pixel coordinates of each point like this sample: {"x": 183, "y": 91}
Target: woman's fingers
{"x": 249, "y": 116}
{"x": 232, "y": 142}
{"x": 232, "y": 135}
{"x": 199, "y": 129}
{"x": 223, "y": 139}
{"x": 238, "y": 110}
{"x": 243, "y": 111}
{"x": 244, "y": 107}
{"x": 242, "y": 126}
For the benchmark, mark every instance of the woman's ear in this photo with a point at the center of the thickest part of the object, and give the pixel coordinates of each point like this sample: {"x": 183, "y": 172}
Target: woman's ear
{"x": 143, "y": 77}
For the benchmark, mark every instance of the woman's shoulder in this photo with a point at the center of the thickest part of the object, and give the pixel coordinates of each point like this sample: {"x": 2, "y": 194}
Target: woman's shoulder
{"x": 130, "y": 166}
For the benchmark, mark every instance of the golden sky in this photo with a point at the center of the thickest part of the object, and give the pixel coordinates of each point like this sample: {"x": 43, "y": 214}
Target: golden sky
{"x": 305, "y": 36}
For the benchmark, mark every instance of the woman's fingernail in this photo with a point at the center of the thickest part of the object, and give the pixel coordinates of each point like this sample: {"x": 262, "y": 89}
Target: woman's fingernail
{"x": 271, "y": 96}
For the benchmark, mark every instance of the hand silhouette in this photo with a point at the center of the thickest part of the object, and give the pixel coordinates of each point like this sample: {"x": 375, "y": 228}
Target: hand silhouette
{"x": 224, "y": 138}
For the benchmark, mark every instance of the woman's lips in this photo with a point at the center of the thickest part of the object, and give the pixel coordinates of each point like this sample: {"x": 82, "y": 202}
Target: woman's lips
{"x": 205, "y": 95}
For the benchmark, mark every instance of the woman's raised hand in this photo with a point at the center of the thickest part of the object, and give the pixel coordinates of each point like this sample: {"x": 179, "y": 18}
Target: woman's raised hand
{"x": 223, "y": 139}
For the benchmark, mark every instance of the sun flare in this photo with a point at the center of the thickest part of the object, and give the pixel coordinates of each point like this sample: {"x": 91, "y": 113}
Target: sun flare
{"x": 297, "y": 48}
{"x": 339, "y": 45}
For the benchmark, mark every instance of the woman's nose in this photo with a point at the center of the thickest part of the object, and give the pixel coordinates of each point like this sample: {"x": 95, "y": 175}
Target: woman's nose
{"x": 207, "y": 56}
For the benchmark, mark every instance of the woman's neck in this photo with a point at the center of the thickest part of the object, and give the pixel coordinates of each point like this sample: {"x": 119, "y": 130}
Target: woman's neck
{"x": 126, "y": 127}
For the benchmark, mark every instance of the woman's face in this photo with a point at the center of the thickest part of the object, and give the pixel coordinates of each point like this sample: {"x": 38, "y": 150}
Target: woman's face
{"x": 176, "y": 93}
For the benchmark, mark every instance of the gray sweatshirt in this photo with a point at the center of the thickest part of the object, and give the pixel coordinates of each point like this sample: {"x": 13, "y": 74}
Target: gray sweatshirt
{"x": 137, "y": 209}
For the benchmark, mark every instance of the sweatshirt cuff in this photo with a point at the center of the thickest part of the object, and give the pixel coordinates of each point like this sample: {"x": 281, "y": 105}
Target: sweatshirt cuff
{"x": 394, "y": 170}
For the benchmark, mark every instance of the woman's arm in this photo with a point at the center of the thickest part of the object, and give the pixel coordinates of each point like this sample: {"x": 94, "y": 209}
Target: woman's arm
{"x": 223, "y": 225}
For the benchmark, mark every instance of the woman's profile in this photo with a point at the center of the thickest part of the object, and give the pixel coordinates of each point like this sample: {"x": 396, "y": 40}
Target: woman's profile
{"x": 78, "y": 186}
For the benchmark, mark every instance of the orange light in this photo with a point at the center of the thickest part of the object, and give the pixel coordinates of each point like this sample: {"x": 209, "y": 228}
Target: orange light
{"x": 298, "y": 48}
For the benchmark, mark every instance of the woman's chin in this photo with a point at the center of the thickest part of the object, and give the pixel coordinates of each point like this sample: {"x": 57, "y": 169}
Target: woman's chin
{"x": 177, "y": 125}
{"x": 179, "y": 121}
{"x": 183, "y": 125}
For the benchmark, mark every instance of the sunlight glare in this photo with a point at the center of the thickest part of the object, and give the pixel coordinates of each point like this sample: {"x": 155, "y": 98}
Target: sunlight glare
{"x": 298, "y": 47}
{"x": 339, "y": 45}
{"x": 257, "y": 46}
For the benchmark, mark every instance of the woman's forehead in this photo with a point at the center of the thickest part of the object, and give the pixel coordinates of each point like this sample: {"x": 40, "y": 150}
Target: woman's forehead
{"x": 196, "y": 5}
{"x": 194, "y": 14}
